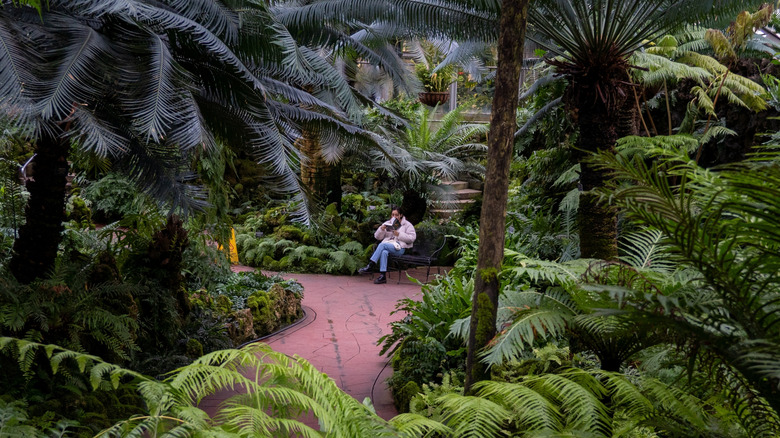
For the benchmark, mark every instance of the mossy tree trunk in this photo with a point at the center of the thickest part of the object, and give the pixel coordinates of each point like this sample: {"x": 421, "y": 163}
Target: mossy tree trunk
{"x": 503, "y": 123}
{"x": 35, "y": 250}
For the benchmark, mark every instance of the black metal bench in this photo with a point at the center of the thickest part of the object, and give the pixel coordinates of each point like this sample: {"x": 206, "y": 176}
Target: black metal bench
{"x": 425, "y": 252}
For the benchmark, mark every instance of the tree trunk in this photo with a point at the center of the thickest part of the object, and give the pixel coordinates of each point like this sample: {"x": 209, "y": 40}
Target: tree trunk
{"x": 39, "y": 238}
{"x": 598, "y": 132}
{"x": 321, "y": 178}
{"x": 503, "y": 123}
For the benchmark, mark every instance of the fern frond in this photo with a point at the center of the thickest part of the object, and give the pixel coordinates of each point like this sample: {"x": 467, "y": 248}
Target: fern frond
{"x": 529, "y": 326}
{"x": 541, "y": 270}
{"x": 341, "y": 262}
{"x": 533, "y": 411}
{"x": 352, "y": 247}
{"x": 475, "y": 417}
{"x": 644, "y": 147}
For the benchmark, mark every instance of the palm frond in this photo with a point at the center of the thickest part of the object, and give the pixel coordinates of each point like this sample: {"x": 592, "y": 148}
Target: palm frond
{"x": 97, "y": 135}
{"x": 75, "y": 79}
{"x": 213, "y": 15}
{"x": 16, "y": 63}
{"x": 162, "y": 97}
{"x": 644, "y": 249}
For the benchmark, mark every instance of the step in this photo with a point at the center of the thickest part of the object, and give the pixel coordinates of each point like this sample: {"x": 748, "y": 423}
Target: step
{"x": 444, "y": 213}
{"x": 467, "y": 193}
{"x": 455, "y": 203}
{"x": 454, "y": 185}
{"x": 462, "y": 195}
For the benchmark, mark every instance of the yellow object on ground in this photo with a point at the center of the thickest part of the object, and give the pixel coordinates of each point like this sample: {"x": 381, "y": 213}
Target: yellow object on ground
{"x": 232, "y": 251}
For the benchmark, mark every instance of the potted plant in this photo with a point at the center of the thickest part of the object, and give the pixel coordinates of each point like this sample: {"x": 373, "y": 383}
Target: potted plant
{"x": 436, "y": 83}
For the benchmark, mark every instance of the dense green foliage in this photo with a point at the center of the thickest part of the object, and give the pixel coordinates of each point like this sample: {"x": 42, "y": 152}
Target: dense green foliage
{"x": 278, "y": 391}
{"x": 420, "y": 344}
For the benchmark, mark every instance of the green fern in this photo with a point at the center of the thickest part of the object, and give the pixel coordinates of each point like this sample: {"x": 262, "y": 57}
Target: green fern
{"x": 299, "y": 253}
{"x": 644, "y": 147}
{"x": 342, "y": 262}
{"x": 81, "y": 315}
{"x": 12, "y": 197}
{"x": 474, "y": 416}
{"x": 523, "y": 267}
{"x": 570, "y": 402}
{"x": 268, "y": 401}
{"x": 721, "y": 223}
{"x": 352, "y": 247}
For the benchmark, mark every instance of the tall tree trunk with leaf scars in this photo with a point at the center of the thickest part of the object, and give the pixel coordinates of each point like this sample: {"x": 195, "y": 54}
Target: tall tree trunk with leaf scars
{"x": 322, "y": 178}
{"x": 492, "y": 223}
{"x": 39, "y": 238}
{"x": 599, "y": 124}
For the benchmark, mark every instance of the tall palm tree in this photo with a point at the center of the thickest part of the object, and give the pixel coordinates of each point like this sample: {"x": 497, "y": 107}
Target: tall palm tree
{"x": 148, "y": 84}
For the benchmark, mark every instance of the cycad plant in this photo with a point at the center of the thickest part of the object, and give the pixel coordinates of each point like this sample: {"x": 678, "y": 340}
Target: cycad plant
{"x": 149, "y": 85}
{"x": 723, "y": 224}
{"x": 594, "y": 41}
{"x": 423, "y": 154}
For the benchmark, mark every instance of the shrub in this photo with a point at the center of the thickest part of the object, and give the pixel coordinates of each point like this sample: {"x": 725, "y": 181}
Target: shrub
{"x": 289, "y": 232}
{"x": 113, "y": 197}
{"x": 274, "y": 217}
{"x": 313, "y": 265}
{"x": 420, "y": 343}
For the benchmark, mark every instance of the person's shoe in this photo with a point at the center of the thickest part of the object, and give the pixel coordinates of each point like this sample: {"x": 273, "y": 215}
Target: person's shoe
{"x": 368, "y": 269}
{"x": 381, "y": 279}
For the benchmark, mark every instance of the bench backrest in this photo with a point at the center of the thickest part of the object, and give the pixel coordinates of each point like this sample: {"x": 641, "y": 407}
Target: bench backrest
{"x": 428, "y": 244}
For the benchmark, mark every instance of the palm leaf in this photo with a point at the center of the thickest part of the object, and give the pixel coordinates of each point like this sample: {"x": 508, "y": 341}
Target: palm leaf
{"x": 644, "y": 249}
{"x": 16, "y": 62}
{"x": 75, "y": 79}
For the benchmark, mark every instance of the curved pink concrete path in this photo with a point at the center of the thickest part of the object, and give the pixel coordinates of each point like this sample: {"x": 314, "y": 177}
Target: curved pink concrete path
{"x": 345, "y": 316}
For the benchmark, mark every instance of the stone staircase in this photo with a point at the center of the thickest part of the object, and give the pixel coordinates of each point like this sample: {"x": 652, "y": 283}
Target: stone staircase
{"x": 455, "y": 196}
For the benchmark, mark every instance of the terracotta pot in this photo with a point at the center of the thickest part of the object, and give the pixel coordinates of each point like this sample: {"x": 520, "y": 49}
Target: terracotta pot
{"x": 431, "y": 98}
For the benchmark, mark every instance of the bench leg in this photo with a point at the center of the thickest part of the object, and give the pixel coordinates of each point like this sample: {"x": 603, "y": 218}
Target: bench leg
{"x": 427, "y": 273}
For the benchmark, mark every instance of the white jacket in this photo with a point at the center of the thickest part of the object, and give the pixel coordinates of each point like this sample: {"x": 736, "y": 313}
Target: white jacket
{"x": 406, "y": 234}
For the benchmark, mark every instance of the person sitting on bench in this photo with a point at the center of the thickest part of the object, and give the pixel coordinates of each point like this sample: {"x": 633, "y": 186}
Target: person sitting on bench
{"x": 397, "y": 235}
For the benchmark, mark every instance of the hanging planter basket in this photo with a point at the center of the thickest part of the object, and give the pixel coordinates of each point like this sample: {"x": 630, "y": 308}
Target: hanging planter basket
{"x": 432, "y": 98}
